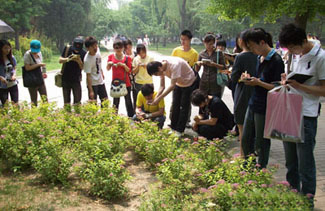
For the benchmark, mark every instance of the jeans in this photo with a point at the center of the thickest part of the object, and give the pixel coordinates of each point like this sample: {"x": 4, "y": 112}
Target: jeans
{"x": 76, "y": 91}
{"x": 300, "y": 161}
{"x": 33, "y": 93}
{"x": 210, "y": 132}
{"x": 252, "y": 140}
{"x": 128, "y": 103}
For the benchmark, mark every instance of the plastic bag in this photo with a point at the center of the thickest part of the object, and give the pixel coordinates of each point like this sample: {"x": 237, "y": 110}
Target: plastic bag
{"x": 284, "y": 118}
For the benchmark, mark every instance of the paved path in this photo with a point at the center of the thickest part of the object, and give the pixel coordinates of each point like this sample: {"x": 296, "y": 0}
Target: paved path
{"x": 276, "y": 155}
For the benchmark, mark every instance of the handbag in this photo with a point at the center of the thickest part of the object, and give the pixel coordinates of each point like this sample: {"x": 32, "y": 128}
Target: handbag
{"x": 284, "y": 118}
{"x": 118, "y": 87}
{"x": 32, "y": 78}
{"x": 58, "y": 75}
{"x": 222, "y": 79}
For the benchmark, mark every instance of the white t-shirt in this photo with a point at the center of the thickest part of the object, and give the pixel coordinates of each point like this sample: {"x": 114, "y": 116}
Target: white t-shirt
{"x": 179, "y": 69}
{"x": 312, "y": 63}
{"x": 93, "y": 65}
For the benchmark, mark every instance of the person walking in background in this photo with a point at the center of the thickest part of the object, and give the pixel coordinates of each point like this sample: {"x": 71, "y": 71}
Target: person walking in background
{"x": 139, "y": 70}
{"x": 146, "y": 41}
{"x": 8, "y": 82}
{"x": 300, "y": 160}
{"x": 183, "y": 81}
{"x": 155, "y": 113}
{"x": 212, "y": 62}
{"x": 270, "y": 67}
{"x": 33, "y": 60}
{"x": 245, "y": 62}
{"x": 139, "y": 41}
{"x": 72, "y": 58}
{"x": 93, "y": 69}
{"x": 121, "y": 66}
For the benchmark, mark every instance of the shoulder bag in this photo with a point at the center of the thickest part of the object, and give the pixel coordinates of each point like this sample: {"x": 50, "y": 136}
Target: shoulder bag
{"x": 222, "y": 79}
{"x": 32, "y": 78}
{"x": 58, "y": 75}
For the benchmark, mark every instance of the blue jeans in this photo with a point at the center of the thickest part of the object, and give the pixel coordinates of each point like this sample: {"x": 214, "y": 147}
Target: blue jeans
{"x": 252, "y": 140}
{"x": 300, "y": 161}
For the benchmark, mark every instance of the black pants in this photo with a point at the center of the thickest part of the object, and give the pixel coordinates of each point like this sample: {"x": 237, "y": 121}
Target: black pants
{"x": 100, "y": 90}
{"x": 76, "y": 91}
{"x": 33, "y": 93}
{"x": 14, "y": 95}
{"x": 128, "y": 103}
{"x": 210, "y": 132}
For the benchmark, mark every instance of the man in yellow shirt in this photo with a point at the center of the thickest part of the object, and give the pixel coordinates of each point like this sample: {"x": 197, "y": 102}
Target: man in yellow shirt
{"x": 144, "y": 111}
{"x": 189, "y": 54}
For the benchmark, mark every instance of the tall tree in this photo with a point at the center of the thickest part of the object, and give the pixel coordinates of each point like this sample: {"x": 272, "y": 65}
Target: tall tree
{"x": 301, "y": 10}
{"x": 65, "y": 19}
{"x": 19, "y": 13}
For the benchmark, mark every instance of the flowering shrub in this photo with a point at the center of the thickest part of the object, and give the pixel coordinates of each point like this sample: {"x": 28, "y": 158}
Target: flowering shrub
{"x": 89, "y": 144}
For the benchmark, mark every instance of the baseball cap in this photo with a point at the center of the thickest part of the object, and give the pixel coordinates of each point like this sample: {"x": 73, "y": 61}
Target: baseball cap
{"x": 77, "y": 44}
{"x": 35, "y": 46}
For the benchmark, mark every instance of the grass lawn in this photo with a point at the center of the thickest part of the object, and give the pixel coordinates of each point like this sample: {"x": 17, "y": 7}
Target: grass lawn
{"x": 168, "y": 49}
{"x": 52, "y": 65}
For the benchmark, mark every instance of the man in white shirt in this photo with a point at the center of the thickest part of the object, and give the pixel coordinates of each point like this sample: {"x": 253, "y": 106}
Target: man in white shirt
{"x": 93, "y": 68}
{"x": 310, "y": 60}
{"x": 183, "y": 81}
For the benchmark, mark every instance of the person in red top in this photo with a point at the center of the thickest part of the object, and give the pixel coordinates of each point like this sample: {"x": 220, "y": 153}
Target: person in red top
{"x": 121, "y": 66}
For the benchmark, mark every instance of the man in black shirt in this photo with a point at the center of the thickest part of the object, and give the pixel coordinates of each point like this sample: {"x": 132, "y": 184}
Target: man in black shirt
{"x": 214, "y": 119}
{"x": 73, "y": 64}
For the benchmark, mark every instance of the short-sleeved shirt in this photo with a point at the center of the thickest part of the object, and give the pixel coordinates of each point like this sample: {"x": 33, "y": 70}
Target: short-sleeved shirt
{"x": 312, "y": 63}
{"x": 29, "y": 60}
{"x": 208, "y": 82}
{"x": 7, "y": 70}
{"x": 268, "y": 71}
{"x": 93, "y": 65}
{"x": 142, "y": 102}
{"x": 245, "y": 61}
{"x": 190, "y": 56}
{"x": 72, "y": 71}
{"x": 142, "y": 77}
{"x": 119, "y": 71}
{"x": 218, "y": 109}
{"x": 179, "y": 69}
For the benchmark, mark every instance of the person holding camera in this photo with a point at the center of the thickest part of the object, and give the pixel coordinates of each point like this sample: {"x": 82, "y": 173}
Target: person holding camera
{"x": 8, "y": 82}
{"x": 72, "y": 58}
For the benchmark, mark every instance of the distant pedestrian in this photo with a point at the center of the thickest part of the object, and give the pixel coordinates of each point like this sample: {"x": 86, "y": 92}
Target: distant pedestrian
{"x": 139, "y": 41}
{"x": 33, "y": 60}
{"x": 8, "y": 81}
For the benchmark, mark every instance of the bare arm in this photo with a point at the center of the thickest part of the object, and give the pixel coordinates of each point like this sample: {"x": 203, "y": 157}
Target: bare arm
{"x": 162, "y": 85}
{"x": 165, "y": 93}
{"x": 29, "y": 67}
{"x": 211, "y": 121}
{"x": 316, "y": 90}
{"x": 90, "y": 88}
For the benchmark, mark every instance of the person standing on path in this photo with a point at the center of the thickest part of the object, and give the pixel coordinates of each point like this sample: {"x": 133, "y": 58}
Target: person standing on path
{"x": 300, "y": 160}
{"x": 269, "y": 69}
{"x": 72, "y": 58}
{"x": 8, "y": 82}
{"x": 183, "y": 81}
{"x": 93, "y": 69}
{"x": 33, "y": 60}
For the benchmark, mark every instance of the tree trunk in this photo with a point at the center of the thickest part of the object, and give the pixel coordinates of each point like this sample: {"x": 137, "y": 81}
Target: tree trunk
{"x": 183, "y": 14}
{"x": 301, "y": 20}
{"x": 165, "y": 41}
{"x": 17, "y": 44}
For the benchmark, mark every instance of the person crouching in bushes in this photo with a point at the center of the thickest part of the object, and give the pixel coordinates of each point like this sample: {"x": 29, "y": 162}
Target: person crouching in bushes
{"x": 214, "y": 119}
{"x": 145, "y": 111}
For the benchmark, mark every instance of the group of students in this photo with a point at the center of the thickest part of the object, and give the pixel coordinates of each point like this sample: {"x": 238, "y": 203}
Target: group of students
{"x": 256, "y": 68}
